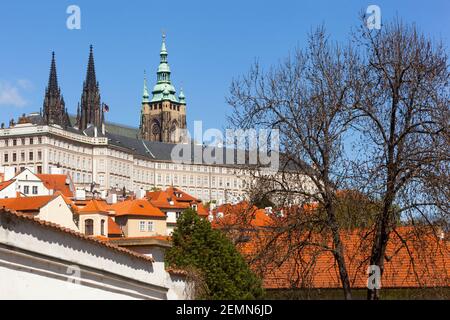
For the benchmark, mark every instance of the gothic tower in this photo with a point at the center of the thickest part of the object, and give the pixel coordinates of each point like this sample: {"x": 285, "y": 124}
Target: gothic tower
{"x": 90, "y": 111}
{"x": 54, "y": 110}
{"x": 163, "y": 117}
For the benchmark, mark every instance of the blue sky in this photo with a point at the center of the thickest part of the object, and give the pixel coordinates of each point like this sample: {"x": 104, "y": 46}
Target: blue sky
{"x": 209, "y": 43}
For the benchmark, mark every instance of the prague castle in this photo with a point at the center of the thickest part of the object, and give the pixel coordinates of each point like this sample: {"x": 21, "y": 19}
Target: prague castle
{"x": 101, "y": 155}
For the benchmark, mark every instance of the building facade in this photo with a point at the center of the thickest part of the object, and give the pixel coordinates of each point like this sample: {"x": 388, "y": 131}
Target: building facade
{"x": 114, "y": 161}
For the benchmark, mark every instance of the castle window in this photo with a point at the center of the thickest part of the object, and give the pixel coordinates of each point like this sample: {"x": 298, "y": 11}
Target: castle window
{"x": 141, "y": 226}
{"x": 102, "y": 227}
{"x": 150, "y": 226}
{"x": 178, "y": 108}
{"x": 6, "y": 157}
{"x": 31, "y": 140}
{"x": 35, "y": 189}
{"x": 89, "y": 227}
{"x": 26, "y": 189}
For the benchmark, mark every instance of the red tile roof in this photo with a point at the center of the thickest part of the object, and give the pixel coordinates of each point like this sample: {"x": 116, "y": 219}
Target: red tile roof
{"x": 421, "y": 261}
{"x": 137, "y": 207}
{"x": 174, "y": 198}
{"x": 113, "y": 228}
{"x": 79, "y": 235}
{"x": 57, "y": 182}
{"x": 25, "y": 203}
{"x": 240, "y": 215}
{"x": 4, "y": 184}
{"x": 93, "y": 206}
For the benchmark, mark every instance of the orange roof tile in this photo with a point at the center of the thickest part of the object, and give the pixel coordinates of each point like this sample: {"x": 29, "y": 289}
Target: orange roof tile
{"x": 25, "y": 203}
{"x": 316, "y": 268}
{"x": 57, "y": 182}
{"x": 240, "y": 215}
{"x": 173, "y": 198}
{"x": 70, "y": 232}
{"x": 201, "y": 210}
{"x": 113, "y": 227}
{"x": 93, "y": 206}
{"x": 140, "y": 207}
{"x": 4, "y": 184}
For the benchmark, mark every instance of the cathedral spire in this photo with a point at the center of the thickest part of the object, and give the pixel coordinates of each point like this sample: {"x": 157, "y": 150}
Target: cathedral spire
{"x": 91, "y": 112}
{"x": 54, "y": 110}
{"x": 53, "y": 78}
{"x": 90, "y": 73}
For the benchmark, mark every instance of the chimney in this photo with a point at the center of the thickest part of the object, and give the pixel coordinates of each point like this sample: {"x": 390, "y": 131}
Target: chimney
{"x": 112, "y": 198}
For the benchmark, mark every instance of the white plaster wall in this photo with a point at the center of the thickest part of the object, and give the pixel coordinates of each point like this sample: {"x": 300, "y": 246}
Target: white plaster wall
{"x": 105, "y": 270}
{"x": 9, "y": 191}
{"x": 97, "y": 218}
{"x": 57, "y": 211}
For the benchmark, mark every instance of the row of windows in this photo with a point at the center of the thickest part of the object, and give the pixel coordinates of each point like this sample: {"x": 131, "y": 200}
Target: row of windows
{"x": 68, "y": 146}
{"x": 22, "y": 141}
{"x": 21, "y": 156}
{"x": 26, "y": 189}
{"x": 184, "y": 167}
{"x": 69, "y": 160}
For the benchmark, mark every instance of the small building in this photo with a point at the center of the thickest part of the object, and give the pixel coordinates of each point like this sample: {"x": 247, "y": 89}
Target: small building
{"x": 94, "y": 219}
{"x": 173, "y": 202}
{"x": 27, "y": 183}
{"x": 55, "y": 208}
{"x": 139, "y": 218}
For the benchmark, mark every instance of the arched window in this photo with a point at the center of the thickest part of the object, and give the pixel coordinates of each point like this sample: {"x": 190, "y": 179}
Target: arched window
{"x": 102, "y": 227}
{"x": 156, "y": 131}
{"x": 89, "y": 227}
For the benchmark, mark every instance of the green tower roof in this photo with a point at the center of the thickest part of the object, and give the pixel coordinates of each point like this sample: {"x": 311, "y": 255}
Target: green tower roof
{"x": 163, "y": 90}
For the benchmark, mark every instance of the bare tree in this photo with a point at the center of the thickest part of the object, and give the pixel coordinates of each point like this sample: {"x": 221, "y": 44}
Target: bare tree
{"x": 403, "y": 112}
{"x": 307, "y": 98}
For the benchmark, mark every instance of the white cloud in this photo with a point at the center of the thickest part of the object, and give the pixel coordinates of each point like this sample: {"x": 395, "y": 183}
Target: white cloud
{"x": 25, "y": 84}
{"x": 10, "y": 95}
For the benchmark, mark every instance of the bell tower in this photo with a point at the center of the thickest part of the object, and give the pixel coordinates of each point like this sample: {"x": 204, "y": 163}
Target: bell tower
{"x": 163, "y": 117}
